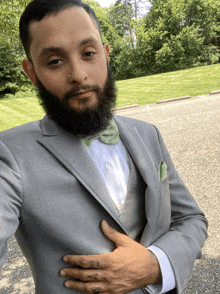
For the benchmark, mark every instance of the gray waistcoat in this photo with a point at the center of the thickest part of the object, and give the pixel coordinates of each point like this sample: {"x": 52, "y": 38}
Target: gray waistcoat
{"x": 133, "y": 215}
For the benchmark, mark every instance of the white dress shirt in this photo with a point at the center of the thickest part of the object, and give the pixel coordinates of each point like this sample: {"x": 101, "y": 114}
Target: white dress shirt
{"x": 112, "y": 162}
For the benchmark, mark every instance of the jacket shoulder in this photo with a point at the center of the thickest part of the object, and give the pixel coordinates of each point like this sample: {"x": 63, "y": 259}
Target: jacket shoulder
{"x": 21, "y": 132}
{"x": 140, "y": 125}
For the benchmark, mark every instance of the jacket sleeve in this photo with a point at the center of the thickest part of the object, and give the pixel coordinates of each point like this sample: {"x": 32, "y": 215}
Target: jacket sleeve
{"x": 10, "y": 199}
{"x": 188, "y": 229}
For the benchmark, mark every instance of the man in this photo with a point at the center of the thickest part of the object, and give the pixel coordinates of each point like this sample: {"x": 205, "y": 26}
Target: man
{"x": 63, "y": 177}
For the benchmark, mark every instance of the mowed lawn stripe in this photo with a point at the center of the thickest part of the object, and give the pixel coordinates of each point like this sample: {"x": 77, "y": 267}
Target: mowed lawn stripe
{"x": 14, "y": 112}
{"x": 149, "y": 89}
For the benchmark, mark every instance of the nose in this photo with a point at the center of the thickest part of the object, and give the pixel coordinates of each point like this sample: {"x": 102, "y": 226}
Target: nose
{"x": 77, "y": 73}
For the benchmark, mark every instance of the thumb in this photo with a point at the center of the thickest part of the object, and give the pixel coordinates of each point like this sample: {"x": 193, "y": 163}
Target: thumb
{"x": 118, "y": 238}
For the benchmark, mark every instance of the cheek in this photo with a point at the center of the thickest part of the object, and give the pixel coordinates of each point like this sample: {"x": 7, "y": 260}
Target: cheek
{"x": 100, "y": 75}
{"x": 53, "y": 82}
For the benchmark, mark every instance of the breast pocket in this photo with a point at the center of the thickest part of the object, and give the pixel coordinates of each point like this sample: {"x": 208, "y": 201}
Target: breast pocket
{"x": 165, "y": 203}
{"x": 165, "y": 190}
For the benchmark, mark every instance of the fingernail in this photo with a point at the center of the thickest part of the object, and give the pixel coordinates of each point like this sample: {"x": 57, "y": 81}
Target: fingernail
{"x": 62, "y": 273}
{"x": 65, "y": 259}
{"x": 67, "y": 285}
{"x": 105, "y": 223}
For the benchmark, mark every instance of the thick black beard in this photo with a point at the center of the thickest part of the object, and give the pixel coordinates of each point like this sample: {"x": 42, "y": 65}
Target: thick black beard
{"x": 84, "y": 123}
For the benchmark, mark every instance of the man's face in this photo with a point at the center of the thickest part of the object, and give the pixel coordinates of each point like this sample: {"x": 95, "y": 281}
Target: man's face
{"x": 71, "y": 64}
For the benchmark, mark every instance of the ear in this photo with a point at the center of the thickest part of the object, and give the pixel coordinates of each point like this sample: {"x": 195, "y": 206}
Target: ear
{"x": 106, "y": 49}
{"x": 29, "y": 70}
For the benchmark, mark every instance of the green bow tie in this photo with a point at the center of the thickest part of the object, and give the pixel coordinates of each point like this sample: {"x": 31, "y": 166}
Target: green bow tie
{"x": 109, "y": 135}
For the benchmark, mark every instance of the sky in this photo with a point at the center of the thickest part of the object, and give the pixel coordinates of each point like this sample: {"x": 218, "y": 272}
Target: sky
{"x": 106, "y": 3}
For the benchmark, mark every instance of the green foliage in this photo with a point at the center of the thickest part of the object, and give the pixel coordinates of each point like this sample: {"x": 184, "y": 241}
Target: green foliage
{"x": 180, "y": 51}
{"x": 179, "y": 34}
{"x": 23, "y": 91}
{"x": 120, "y": 16}
{"x": 11, "y": 51}
{"x": 122, "y": 60}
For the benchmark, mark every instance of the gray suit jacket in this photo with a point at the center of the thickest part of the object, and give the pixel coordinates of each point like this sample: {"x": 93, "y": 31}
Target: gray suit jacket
{"x": 53, "y": 199}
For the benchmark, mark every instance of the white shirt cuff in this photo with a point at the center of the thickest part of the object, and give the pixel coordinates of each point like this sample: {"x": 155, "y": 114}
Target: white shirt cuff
{"x": 168, "y": 279}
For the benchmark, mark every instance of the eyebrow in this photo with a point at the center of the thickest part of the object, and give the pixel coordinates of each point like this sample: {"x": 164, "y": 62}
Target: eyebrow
{"x": 55, "y": 49}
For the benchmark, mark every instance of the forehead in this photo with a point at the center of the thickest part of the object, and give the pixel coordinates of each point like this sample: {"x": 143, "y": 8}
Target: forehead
{"x": 68, "y": 27}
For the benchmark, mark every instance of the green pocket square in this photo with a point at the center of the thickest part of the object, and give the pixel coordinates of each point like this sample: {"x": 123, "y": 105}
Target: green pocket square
{"x": 162, "y": 171}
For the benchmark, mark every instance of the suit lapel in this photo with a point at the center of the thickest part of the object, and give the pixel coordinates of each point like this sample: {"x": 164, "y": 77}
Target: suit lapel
{"x": 138, "y": 150}
{"x": 72, "y": 154}
{"x": 143, "y": 160}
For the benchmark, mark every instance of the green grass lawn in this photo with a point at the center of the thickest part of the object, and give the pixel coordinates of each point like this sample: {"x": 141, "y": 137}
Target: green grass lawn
{"x": 15, "y": 112}
{"x": 150, "y": 89}
{"x": 141, "y": 91}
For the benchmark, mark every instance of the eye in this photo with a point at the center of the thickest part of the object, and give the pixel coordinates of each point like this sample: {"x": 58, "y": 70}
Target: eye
{"x": 54, "y": 62}
{"x": 89, "y": 54}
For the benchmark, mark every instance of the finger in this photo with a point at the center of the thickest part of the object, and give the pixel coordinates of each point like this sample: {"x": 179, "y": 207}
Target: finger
{"x": 118, "y": 238}
{"x": 86, "y": 287}
{"x": 84, "y": 261}
{"x": 80, "y": 274}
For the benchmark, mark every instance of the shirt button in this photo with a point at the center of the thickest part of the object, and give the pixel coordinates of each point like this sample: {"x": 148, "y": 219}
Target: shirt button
{"x": 107, "y": 166}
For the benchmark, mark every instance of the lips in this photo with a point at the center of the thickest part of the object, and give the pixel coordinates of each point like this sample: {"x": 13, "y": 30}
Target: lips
{"x": 82, "y": 92}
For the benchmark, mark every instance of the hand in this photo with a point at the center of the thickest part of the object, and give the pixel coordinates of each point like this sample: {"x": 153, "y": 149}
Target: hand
{"x": 130, "y": 266}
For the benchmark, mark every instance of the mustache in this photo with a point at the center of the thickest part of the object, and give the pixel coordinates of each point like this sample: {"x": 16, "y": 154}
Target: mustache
{"x": 76, "y": 91}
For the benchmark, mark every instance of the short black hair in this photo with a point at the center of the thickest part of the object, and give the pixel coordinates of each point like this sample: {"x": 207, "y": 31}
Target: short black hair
{"x": 38, "y": 9}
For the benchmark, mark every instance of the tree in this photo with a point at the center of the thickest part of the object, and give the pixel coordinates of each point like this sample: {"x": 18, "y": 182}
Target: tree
{"x": 120, "y": 16}
{"x": 179, "y": 34}
{"x": 139, "y": 7}
{"x": 12, "y": 76}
